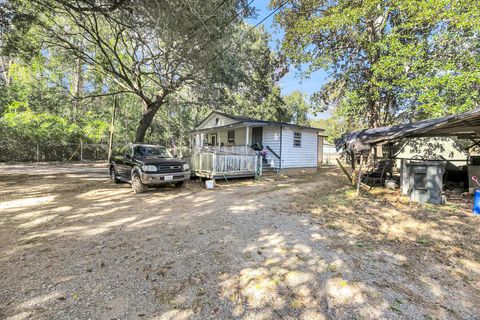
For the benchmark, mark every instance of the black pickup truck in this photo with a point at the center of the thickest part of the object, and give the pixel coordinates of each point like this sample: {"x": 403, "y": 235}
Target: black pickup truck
{"x": 145, "y": 165}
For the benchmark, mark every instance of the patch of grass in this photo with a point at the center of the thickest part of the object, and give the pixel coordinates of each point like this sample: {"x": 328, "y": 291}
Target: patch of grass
{"x": 452, "y": 207}
{"x": 423, "y": 241}
{"x": 360, "y": 244}
{"x": 296, "y": 304}
{"x": 332, "y": 267}
{"x": 431, "y": 208}
{"x": 396, "y": 305}
{"x": 364, "y": 245}
{"x": 333, "y": 226}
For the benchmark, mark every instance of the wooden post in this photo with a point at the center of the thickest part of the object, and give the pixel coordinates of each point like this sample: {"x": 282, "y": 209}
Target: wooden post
{"x": 255, "y": 167}
{"x": 38, "y": 153}
{"x": 110, "y": 142}
{"x": 359, "y": 175}
{"x": 390, "y": 157}
{"x": 246, "y": 139}
{"x": 214, "y": 163}
{"x": 81, "y": 150}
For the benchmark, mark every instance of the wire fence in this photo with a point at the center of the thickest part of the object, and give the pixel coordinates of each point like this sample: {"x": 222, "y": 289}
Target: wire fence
{"x": 330, "y": 158}
{"x": 20, "y": 151}
{"x": 17, "y": 151}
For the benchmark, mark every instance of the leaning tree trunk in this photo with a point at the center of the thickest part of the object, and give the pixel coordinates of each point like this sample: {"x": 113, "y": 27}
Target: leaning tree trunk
{"x": 146, "y": 120}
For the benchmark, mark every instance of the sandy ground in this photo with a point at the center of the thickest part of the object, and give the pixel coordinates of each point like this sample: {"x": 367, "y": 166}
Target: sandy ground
{"x": 75, "y": 246}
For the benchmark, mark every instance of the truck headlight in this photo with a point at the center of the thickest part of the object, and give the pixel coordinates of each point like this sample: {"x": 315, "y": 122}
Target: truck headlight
{"x": 186, "y": 167}
{"x": 149, "y": 168}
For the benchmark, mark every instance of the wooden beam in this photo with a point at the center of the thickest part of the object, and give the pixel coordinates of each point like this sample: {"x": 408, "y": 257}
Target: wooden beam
{"x": 359, "y": 175}
{"x": 349, "y": 176}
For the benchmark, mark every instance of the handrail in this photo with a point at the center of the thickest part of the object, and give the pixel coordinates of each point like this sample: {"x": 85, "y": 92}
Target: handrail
{"x": 273, "y": 152}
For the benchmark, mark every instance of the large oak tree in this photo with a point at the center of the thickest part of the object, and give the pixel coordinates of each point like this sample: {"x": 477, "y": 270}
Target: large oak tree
{"x": 150, "y": 48}
{"x": 388, "y": 61}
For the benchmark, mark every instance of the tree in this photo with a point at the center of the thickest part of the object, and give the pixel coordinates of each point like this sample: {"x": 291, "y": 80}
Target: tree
{"x": 296, "y": 108}
{"x": 388, "y": 60}
{"x": 149, "y": 48}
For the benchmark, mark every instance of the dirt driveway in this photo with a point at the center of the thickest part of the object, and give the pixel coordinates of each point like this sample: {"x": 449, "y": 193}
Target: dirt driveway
{"x": 74, "y": 246}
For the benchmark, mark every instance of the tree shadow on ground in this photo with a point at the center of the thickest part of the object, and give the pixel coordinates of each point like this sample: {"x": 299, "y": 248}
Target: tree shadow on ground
{"x": 76, "y": 246}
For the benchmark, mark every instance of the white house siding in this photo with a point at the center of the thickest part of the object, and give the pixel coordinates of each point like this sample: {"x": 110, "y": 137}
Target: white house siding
{"x": 239, "y": 136}
{"x": 222, "y": 136}
{"x": 299, "y": 157}
{"x": 271, "y": 138}
{"x": 211, "y": 121}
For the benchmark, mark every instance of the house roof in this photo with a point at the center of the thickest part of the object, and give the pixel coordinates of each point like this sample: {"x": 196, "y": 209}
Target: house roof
{"x": 464, "y": 125}
{"x": 251, "y": 121}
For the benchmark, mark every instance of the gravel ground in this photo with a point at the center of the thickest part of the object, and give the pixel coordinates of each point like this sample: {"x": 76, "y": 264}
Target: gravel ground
{"x": 74, "y": 246}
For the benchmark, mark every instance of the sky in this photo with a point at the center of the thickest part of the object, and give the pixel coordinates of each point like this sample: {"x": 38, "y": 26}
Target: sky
{"x": 291, "y": 81}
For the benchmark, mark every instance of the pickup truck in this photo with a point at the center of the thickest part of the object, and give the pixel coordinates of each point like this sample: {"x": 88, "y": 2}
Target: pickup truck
{"x": 146, "y": 165}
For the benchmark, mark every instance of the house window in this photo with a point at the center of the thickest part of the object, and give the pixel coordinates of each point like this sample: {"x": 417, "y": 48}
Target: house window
{"x": 297, "y": 139}
{"x": 231, "y": 136}
{"x": 217, "y": 120}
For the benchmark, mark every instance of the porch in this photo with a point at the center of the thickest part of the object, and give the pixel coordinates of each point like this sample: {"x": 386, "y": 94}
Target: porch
{"x": 227, "y": 151}
{"x": 236, "y": 162}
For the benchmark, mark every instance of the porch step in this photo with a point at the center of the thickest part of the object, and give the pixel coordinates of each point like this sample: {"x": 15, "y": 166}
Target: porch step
{"x": 266, "y": 168}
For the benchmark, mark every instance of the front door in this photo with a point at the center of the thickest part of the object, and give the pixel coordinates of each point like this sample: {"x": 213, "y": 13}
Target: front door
{"x": 213, "y": 138}
{"x": 257, "y": 133}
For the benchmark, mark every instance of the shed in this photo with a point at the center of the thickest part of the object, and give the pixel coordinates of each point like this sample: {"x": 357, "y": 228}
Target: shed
{"x": 462, "y": 126}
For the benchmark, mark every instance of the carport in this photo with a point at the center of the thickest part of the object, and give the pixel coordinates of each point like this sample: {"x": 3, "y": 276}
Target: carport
{"x": 361, "y": 145}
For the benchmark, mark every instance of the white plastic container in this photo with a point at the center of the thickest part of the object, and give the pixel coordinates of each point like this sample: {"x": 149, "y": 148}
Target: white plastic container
{"x": 209, "y": 184}
{"x": 390, "y": 184}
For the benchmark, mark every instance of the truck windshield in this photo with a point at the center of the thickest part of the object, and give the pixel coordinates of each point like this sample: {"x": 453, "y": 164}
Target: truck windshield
{"x": 151, "y": 151}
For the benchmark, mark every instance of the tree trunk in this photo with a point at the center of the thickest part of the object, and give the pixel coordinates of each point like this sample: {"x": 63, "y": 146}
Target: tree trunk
{"x": 147, "y": 118}
{"x": 112, "y": 126}
{"x": 78, "y": 82}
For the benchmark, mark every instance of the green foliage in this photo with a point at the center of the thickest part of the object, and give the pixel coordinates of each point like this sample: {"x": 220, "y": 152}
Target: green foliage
{"x": 296, "y": 108}
{"x": 163, "y": 57}
{"x": 389, "y": 61}
{"x": 20, "y": 123}
{"x": 59, "y": 85}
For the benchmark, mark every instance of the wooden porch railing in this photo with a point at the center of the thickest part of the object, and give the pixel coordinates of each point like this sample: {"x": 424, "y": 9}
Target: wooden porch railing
{"x": 244, "y": 150}
{"x": 215, "y": 163}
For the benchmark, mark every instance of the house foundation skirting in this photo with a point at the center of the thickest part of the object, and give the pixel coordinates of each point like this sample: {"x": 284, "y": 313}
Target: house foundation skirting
{"x": 295, "y": 171}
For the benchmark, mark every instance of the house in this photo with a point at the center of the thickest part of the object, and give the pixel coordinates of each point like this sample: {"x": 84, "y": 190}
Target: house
{"x": 287, "y": 148}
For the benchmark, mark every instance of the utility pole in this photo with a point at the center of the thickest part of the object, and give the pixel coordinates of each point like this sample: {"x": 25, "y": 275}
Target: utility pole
{"x": 112, "y": 124}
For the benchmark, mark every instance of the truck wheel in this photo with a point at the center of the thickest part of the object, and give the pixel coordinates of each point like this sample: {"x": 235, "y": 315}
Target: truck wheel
{"x": 113, "y": 175}
{"x": 181, "y": 184}
{"x": 137, "y": 184}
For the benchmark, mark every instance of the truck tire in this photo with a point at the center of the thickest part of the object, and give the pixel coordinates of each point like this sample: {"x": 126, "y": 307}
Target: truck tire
{"x": 137, "y": 184}
{"x": 113, "y": 175}
{"x": 180, "y": 184}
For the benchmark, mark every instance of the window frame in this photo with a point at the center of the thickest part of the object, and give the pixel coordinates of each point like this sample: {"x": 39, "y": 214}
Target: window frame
{"x": 297, "y": 139}
{"x": 232, "y": 138}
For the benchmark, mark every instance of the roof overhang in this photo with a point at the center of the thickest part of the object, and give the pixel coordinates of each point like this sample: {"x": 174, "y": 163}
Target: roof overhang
{"x": 465, "y": 126}
{"x": 255, "y": 123}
